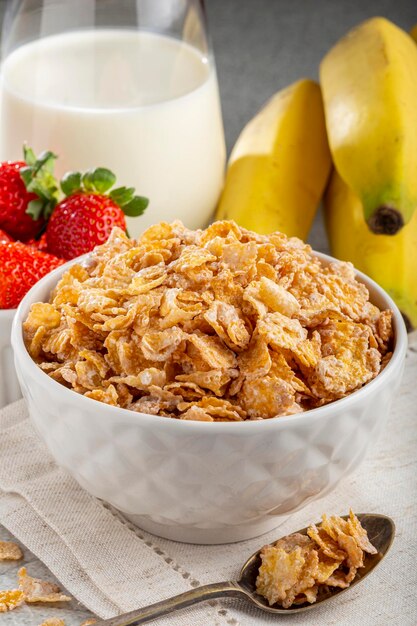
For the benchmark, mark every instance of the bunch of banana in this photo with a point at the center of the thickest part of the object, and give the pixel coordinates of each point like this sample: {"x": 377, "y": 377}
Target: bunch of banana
{"x": 280, "y": 164}
{"x": 369, "y": 82}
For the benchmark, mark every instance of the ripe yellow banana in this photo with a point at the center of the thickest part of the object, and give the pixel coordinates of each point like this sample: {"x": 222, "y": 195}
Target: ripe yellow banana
{"x": 391, "y": 260}
{"x": 369, "y": 82}
{"x": 413, "y": 32}
{"x": 280, "y": 164}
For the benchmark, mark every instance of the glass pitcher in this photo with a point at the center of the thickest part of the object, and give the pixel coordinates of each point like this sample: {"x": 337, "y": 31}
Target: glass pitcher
{"x": 125, "y": 84}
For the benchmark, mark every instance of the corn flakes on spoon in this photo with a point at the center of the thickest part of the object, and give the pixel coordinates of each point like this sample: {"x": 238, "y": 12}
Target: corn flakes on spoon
{"x": 380, "y": 531}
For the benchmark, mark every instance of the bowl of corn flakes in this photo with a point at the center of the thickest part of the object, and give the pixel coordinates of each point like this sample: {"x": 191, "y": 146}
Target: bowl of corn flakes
{"x": 207, "y": 383}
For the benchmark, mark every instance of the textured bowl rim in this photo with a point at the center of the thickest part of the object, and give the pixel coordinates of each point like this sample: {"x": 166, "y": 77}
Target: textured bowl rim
{"x": 118, "y": 413}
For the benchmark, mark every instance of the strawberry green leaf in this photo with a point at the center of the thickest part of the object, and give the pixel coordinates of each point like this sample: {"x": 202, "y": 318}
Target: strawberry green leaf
{"x": 48, "y": 208}
{"x": 35, "y": 209}
{"x": 136, "y": 206}
{"x": 122, "y": 195}
{"x": 39, "y": 179}
{"x": 44, "y": 163}
{"x": 71, "y": 183}
{"x": 26, "y": 174}
{"x": 40, "y": 208}
{"x": 28, "y": 155}
{"x": 87, "y": 181}
{"x": 99, "y": 180}
{"x": 44, "y": 185}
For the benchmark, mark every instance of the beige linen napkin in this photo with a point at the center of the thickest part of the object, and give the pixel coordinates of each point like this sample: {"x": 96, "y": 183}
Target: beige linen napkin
{"x": 111, "y": 566}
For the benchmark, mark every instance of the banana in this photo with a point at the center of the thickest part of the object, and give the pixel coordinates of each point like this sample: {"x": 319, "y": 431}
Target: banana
{"x": 391, "y": 260}
{"x": 280, "y": 164}
{"x": 413, "y": 32}
{"x": 369, "y": 83}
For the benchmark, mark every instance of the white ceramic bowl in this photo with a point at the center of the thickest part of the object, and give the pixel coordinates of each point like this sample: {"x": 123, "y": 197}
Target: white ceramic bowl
{"x": 9, "y": 385}
{"x": 203, "y": 482}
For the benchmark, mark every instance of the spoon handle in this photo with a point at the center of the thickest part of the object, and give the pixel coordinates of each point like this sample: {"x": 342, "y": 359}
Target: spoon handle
{"x": 194, "y": 596}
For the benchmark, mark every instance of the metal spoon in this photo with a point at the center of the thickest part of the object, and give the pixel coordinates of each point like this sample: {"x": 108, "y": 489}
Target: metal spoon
{"x": 380, "y": 529}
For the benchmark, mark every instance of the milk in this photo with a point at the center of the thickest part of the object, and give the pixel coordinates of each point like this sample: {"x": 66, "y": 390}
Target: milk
{"x": 142, "y": 104}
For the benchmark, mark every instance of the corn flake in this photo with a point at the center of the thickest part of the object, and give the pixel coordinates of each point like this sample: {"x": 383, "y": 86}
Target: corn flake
{"x": 36, "y": 590}
{"x": 11, "y": 599}
{"x": 281, "y": 567}
{"x": 10, "y": 551}
{"x": 214, "y": 324}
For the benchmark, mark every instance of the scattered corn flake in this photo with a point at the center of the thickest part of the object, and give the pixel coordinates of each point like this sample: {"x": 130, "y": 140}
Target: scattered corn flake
{"x": 88, "y": 622}
{"x": 10, "y": 551}
{"x": 177, "y": 317}
{"x": 36, "y": 590}
{"x": 10, "y": 599}
{"x": 53, "y": 621}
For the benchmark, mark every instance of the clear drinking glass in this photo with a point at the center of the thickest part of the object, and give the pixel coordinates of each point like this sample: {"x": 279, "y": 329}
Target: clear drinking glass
{"x": 126, "y": 84}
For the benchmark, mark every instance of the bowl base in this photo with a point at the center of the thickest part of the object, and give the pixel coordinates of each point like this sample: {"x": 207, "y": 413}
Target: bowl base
{"x": 209, "y": 536}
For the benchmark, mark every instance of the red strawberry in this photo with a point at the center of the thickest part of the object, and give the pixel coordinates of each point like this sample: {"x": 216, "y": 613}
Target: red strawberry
{"x": 86, "y": 217}
{"x": 28, "y": 193}
{"x": 39, "y": 244}
{"x": 5, "y": 238}
{"x": 14, "y": 201}
{"x": 20, "y": 268}
{"x": 80, "y": 222}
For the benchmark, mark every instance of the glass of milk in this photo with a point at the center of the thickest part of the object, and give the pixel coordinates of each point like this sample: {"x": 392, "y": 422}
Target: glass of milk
{"x": 126, "y": 84}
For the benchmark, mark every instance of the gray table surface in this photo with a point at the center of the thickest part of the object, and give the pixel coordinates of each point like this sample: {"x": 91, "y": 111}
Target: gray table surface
{"x": 260, "y": 47}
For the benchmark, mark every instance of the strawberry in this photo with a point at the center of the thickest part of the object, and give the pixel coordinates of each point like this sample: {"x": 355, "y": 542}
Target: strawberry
{"x": 88, "y": 213}
{"x": 39, "y": 244}
{"x": 28, "y": 193}
{"x": 4, "y": 237}
{"x": 20, "y": 268}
